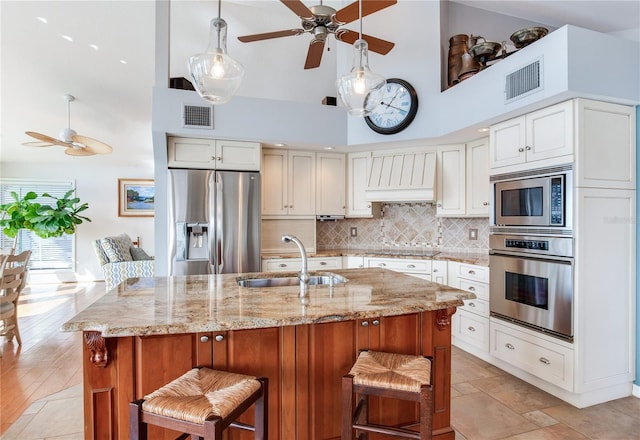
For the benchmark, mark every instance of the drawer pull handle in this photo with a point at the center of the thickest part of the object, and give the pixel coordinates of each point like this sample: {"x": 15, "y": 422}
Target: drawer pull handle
{"x": 471, "y": 288}
{"x": 282, "y": 265}
{"x": 365, "y": 323}
{"x": 204, "y": 338}
{"x": 471, "y": 304}
{"x": 528, "y": 148}
{"x": 520, "y": 150}
{"x": 485, "y": 204}
{"x": 411, "y": 266}
{"x": 471, "y": 329}
{"x": 435, "y": 270}
{"x": 509, "y": 346}
{"x": 545, "y": 361}
{"x": 323, "y": 263}
{"x": 376, "y": 322}
{"x": 472, "y": 272}
{"x": 381, "y": 265}
{"x": 219, "y": 338}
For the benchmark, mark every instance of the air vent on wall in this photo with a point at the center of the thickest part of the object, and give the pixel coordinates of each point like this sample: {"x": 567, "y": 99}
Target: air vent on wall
{"x": 197, "y": 116}
{"x": 524, "y": 81}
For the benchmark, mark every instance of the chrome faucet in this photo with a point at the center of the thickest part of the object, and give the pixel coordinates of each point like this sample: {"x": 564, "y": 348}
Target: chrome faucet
{"x": 304, "y": 273}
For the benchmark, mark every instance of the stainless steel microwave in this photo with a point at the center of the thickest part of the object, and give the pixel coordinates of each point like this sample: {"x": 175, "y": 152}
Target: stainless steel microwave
{"x": 540, "y": 198}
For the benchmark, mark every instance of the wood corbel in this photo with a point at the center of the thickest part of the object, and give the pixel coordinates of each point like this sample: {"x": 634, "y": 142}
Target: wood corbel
{"x": 98, "y": 347}
{"x": 443, "y": 317}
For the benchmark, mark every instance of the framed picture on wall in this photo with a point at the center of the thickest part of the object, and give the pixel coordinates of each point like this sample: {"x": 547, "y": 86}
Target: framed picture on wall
{"x": 136, "y": 197}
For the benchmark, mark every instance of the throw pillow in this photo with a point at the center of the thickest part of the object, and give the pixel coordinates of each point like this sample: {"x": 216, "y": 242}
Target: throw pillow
{"x": 139, "y": 254}
{"x": 117, "y": 248}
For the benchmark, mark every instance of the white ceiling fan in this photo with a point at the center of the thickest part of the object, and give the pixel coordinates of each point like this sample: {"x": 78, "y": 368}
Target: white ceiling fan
{"x": 76, "y": 145}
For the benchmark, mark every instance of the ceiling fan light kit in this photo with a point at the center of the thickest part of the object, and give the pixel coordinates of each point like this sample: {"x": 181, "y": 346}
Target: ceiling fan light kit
{"x": 75, "y": 145}
{"x": 215, "y": 75}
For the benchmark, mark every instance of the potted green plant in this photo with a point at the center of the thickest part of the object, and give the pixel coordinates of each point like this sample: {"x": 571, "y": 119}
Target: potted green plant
{"x": 45, "y": 220}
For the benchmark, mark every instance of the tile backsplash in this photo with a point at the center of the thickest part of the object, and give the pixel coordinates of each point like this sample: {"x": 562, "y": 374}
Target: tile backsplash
{"x": 404, "y": 225}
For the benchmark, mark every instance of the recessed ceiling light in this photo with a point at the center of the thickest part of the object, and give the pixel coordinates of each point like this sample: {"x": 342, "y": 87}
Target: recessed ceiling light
{"x": 328, "y": 148}
{"x": 483, "y": 129}
{"x": 68, "y": 38}
{"x": 279, "y": 145}
{"x": 123, "y": 62}
{"x": 42, "y": 20}
{"x": 94, "y": 46}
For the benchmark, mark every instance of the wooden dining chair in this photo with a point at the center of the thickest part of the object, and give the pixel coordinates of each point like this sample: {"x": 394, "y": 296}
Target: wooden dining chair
{"x": 13, "y": 278}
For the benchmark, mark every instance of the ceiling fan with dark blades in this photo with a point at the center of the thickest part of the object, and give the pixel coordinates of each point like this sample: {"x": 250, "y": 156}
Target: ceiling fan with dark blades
{"x": 321, "y": 20}
{"x": 75, "y": 144}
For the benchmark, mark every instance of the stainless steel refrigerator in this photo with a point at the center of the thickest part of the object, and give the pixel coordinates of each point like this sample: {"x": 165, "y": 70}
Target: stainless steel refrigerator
{"x": 214, "y": 222}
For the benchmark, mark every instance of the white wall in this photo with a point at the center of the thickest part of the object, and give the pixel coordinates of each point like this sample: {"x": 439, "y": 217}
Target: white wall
{"x": 97, "y": 185}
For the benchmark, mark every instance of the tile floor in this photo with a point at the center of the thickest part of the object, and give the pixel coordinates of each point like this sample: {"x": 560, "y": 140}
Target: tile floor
{"x": 487, "y": 403}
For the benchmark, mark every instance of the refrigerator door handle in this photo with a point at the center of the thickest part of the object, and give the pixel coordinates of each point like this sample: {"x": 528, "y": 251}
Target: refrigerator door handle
{"x": 219, "y": 262}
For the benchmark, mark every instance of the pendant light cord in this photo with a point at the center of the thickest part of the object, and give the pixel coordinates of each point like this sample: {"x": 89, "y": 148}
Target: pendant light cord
{"x": 69, "y": 114}
{"x": 360, "y": 14}
{"x": 219, "y": 17}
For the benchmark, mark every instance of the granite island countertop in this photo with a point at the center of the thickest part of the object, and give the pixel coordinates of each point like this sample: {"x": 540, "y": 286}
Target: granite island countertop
{"x": 203, "y": 303}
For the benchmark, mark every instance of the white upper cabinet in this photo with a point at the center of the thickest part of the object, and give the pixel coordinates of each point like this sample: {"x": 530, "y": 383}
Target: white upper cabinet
{"x": 538, "y": 139}
{"x": 213, "y": 154}
{"x": 451, "y": 181}
{"x": 606, "y": 139}
{"x": 330, "y": 185}
{"x": 463, "y": 180}
{"x": 478, "y": 178}
{"x": 288, "y": 183}
{"x": 358, "y": 165}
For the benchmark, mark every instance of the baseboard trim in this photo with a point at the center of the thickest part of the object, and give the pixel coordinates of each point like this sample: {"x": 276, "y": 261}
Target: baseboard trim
{"x": 635, "y": 391}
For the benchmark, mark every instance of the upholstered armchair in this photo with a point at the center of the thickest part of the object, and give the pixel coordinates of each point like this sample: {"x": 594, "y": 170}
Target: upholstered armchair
{"x": 120, "y": 260}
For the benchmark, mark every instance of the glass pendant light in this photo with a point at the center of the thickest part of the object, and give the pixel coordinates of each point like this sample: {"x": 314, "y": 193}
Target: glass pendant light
{"x": 360, "y": 89}
{"x": 214, "y": 74}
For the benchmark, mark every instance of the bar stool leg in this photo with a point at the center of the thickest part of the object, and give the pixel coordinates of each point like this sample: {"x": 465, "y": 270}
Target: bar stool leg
{"x": 261, "y": 414}
{"x": 347, "y": 408}
{"x": 426, "y": 414}
{"x": 137, "y": 429}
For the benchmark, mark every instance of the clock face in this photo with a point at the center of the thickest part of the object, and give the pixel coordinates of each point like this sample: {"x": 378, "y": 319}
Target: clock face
{"x": 397, "y": 108}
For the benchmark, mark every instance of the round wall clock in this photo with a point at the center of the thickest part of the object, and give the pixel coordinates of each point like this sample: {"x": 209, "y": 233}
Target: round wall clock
{"x": 397, "y": 108}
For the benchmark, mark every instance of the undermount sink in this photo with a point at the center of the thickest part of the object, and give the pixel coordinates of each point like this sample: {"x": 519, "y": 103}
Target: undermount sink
{"x": 319, "y": 280}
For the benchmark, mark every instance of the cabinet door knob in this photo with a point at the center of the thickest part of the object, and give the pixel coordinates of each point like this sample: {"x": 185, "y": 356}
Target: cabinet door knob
{"x": 435, "y": 270}
{"x": 368, "y": 206}
{"x": 509, "y": 346}
{"x": 204, "y": 338}
{"x": 439, "y": 205}
{"x": 213, "y": 158}
{"x": 520, "y": 150}
{"x": 219, "y": 338}
{"x": 471, "y": 329}
{"x": 528, "y": 148}
{"x": 365, "y": 323}
{"x": 282, "y": 265}
{"x": 376, "y": 322}
{"x": 485, "y": 204}
{"x": 545, "y": 361}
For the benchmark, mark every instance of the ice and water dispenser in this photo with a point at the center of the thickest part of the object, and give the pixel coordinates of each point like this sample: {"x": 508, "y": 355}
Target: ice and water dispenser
{"x": 192, "y": 241}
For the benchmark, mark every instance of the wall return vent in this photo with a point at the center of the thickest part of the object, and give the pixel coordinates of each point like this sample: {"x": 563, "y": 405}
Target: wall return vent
{"x": 524, "y": 81}
{"x": 197, "y": 116}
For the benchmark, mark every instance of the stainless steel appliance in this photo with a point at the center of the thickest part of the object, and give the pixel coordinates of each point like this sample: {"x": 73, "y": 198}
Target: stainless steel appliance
{"x": 531, "y": 281}
{"x": 534, "y": 199}
{"x": 214, "y": 222}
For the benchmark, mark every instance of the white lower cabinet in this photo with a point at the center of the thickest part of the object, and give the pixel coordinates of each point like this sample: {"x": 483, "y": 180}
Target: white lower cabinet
{"x": 439, "y": 271}
{"x": 472, "y": 329}
{"x": 295, "y": 264}
{"x": 352, "y": 262}
{"x": 417, "y": 268}
{"x": 533, "y": 353}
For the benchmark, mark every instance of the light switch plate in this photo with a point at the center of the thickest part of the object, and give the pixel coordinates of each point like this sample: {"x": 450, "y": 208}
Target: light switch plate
{"x": 473, "y": 234}
{"x": 353, "y": 231}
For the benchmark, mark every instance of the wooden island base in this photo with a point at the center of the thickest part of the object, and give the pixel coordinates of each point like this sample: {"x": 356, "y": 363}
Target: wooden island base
{"x": 304, "y": 364}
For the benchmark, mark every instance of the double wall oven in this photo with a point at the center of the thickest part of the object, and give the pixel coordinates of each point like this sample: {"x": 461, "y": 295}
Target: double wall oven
{"x": 531, "y": 256}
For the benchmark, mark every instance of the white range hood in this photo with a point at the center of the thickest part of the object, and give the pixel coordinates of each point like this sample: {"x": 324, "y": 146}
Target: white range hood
{"x": 402, "y": 176}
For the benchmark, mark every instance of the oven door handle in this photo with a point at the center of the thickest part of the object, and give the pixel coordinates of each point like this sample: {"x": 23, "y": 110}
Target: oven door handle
{"x": 535, "y": 257}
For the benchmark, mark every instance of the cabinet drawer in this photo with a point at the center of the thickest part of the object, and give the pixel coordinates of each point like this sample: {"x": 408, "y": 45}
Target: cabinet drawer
{"x": 539, "y": 357}
{"x": 401, "y": 265}
{"x": 477, "y": 306}
{"x": 481, "y": 290}
{"x": 325, "y": 263}
{"x": 473, "y": 272}
{"x": 472, "y": 329}
{"x": 281, "y": 265}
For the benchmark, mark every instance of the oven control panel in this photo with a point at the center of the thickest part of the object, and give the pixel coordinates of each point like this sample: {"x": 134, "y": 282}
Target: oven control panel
{"x": 539, "y": 245}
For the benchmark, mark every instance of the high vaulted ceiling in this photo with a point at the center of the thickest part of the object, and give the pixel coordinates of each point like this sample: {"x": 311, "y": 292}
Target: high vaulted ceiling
{"x": 109, "y": 63}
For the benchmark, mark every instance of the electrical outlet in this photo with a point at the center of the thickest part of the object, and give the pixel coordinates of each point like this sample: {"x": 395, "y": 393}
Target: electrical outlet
{"x": 473, "y": 234}
{"x": 353, "y": 231}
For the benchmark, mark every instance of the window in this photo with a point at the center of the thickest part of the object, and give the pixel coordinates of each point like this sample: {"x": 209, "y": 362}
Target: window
{"x": 47, "y": 254}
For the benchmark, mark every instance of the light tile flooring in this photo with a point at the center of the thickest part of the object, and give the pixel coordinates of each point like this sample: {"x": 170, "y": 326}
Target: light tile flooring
{"x": 41, "y": 392}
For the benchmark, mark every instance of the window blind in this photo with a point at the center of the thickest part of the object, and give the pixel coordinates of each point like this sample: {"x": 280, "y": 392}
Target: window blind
{"x": 47, "y": 254}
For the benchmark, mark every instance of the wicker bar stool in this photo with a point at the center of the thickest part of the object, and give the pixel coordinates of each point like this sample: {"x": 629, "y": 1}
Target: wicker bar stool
{"x": 396, "y": 376}
{"x": 202, "y": 402}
